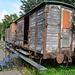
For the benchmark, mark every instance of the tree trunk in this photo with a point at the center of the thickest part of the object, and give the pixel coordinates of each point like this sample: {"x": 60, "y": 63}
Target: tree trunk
{"x": 1, "y": 37}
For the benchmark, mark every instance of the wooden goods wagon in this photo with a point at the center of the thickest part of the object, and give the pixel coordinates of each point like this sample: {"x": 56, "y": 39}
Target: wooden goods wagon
{"x": 10, "y": 33}
{"x": 7, "y": 34}
{"x": 48, "y": 30}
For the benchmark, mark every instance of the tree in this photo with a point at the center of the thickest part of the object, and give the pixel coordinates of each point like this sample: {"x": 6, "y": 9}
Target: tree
{"x": 30, "y": 4}
{"x": 6, "y": 21}
{"x": 1, "y": 29}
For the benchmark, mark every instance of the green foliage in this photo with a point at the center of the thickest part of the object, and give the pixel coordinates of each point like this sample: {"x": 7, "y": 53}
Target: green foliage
{"x": 6, "y": 21}
{"x": 1, "y": 28}
{"x": 30, "y": 4}
{"x": 57, "y": 70}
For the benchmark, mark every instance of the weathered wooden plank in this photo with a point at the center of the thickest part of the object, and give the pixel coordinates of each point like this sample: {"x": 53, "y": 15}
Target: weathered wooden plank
{"x": 23, "y": 52}
{"x": 32, "y": 23}
{"x": 49, "y": 15}
{"x": 52, "y": 31}
{"x": 40, "y": 23}
{"x": 51, "y": 40}
{"x": 40, "y": 40}
{"x": 40, "y": 17}
{"x": 53, "y": 28}
{"x": 41, "y": 12}
{"x": 53, "y": 19}
{"x": 39, "y": 47}
{"x": 38, "y": 66}
{"x": 51, "y": 47}
{"x": 52, "y": 43}
{"x": 33, "y": 15}
{"x": 52, "y": 35}
{"x": 41, "y": 20}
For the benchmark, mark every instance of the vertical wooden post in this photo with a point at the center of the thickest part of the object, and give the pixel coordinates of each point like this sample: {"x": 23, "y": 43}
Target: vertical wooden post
{"x": 35, "y": 35}
{"x": 59, "y": 44}
{"x": 45, "y": 35}
{"x": 23, "y": 30}
{"x": 72, "y": 34}
{"x": 7, "y": 34}
{"x": 29, "y": 31}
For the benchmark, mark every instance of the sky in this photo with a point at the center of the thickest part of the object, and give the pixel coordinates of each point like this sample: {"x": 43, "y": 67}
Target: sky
{"x": 9, "y": 7}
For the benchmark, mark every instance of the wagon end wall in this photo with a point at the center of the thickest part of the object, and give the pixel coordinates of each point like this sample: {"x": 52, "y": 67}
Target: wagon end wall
{"x": 53, "y": 25}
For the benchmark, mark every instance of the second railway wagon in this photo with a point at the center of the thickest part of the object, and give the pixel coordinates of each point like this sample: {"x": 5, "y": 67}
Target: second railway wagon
{"x": 10, "y": 32}
{"x": 48, "y": 30}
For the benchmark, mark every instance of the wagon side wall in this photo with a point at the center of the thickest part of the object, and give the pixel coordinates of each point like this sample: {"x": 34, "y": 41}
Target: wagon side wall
{"x": 19, "y": 31}
{"x": 37, "y": 30}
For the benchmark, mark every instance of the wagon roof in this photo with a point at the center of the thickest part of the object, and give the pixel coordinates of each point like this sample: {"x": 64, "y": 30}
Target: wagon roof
{"x": 44, "y": 3}
{"x": 47, "y": 2}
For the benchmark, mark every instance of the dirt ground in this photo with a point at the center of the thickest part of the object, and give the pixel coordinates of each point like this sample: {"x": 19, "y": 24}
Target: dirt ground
{"x": 7, "y": 72}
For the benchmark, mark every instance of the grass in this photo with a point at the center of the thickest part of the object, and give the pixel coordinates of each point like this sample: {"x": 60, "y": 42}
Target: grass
{"x": 57, "y": 70}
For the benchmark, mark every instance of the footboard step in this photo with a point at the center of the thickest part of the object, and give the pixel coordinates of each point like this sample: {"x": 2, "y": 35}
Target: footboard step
{"x": 23, "y": 52}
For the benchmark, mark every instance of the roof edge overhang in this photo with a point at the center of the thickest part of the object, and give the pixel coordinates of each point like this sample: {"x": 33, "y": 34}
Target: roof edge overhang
{"x": 43, "y": 4}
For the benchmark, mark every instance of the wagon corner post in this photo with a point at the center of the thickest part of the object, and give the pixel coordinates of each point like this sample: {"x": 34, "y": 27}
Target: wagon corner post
{"x": 45, "y": 33}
